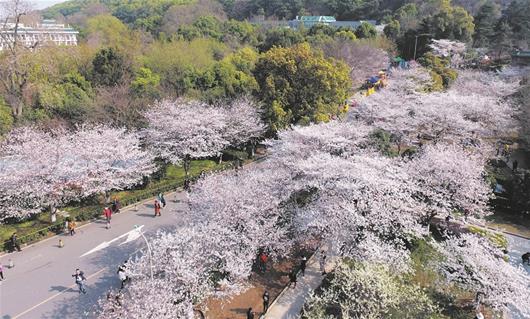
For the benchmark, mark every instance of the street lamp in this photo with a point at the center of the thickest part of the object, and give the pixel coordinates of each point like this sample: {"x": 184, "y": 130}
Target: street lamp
{"x": 138, "y": 228}
{"x": 416, "y": 42}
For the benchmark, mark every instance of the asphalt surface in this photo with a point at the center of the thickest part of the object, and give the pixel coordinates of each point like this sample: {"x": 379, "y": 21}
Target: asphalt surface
{"x": 516, "y": 247}
{"x": 40, "y": 284}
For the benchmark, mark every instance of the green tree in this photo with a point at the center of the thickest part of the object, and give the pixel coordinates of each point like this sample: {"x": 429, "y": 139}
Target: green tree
{"x": 108, "y": 31}
{"x": 485, "y": 22}
{"x": 365, "y": 31}
{"x": 6, "y": 119}
{"x": 299, "y": 85}
{"x": 146, "y": 83}
{"x": 108, "y": 67}
{"x": 518, "y": 17}
{"x": 392, "y": 29}
{"x": 502, "y": 38}
{"x": 71, "y": 99}
{"x": 281, "y": 37}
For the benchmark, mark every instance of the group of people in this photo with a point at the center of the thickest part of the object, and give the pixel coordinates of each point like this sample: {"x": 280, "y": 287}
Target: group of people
{"x": 266, "y": 301}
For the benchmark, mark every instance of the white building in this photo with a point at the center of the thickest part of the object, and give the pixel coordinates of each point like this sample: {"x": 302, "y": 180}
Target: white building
{"x": 48, "y": 32}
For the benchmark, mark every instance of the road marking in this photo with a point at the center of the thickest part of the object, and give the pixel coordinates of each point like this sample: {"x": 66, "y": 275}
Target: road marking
{"x": 131, "y": 235}
{"x": 52, "y": 297}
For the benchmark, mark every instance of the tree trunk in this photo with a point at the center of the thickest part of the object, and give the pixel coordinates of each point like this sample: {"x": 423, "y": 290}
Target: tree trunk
{"x": 53, "y": 213}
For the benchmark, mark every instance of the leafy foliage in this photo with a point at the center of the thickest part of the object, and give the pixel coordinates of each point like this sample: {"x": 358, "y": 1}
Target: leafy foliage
{"x": 300, "y": 86}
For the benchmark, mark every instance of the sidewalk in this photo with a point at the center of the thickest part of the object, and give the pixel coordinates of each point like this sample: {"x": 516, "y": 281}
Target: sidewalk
{"x": 290, "y": 302}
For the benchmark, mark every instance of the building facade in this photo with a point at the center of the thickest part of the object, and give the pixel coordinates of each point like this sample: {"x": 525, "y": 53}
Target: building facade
{"x": 309, "y": 21}
{"x": 46, "y": 33}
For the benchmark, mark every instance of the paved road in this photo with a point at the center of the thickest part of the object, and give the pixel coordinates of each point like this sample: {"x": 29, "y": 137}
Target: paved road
{"x": 516, "y": 247}
{"x": 38, "y": 285}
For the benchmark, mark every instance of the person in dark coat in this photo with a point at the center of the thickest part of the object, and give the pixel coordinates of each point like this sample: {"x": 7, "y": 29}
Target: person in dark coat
{"x": 250, "y": 314}
{"x": 303, "y": 265}
{"x": 292, "y": 278}
{"x": 14, "y": 242}
{"x": 266, "y": 300}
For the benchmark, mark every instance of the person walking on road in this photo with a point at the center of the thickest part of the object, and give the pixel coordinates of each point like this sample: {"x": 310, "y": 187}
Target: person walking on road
{"x": 323, "y": 262}
{"x": 1, "y": 272}
{"x": 292, "y": 278}
{"x": 157, "y": 208}
{"x": 107, "y": 212}
{"x": 250, "y": 314}
{"x": 303, "y": 265}
{"x": 80, "y": 280}
{"x": 14, "y": 242}
{"x": 162, "y": 199}
{"x": 71, "y": 226}
{"x": 115, "y": 207}
{"x": 266, "y": 300}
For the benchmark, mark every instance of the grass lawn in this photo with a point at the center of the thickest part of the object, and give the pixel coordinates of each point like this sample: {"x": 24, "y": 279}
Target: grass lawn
{"x": 173, "y": 177}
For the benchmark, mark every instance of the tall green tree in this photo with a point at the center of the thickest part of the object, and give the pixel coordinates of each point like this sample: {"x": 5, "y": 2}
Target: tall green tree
{"x": 299, "y": 85}
{"x": 518, "y": 17}
{"x": 502, "y": 38}
{"x": 365, "y": 31}
{"x": 485, "y": 22}
{"x": 108, "y": 67}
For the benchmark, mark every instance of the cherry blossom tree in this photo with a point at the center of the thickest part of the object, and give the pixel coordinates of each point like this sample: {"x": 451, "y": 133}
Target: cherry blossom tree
{"x": 453, "y": 50}
{"x": 49, "y": 169}
{"x": 183, "y": 130}
{"x": 474, "y": 263}
{"x": 448, "y": 178}
{"x": 326, "y": 181}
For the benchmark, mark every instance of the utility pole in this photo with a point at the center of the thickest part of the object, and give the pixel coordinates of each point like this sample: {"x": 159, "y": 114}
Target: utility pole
{"x": 416, "y": 43}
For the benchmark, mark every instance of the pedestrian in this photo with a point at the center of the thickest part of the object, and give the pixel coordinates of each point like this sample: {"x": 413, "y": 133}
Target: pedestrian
{"x": 162, "y": 199}
{"x": 157, "y": 208}
{"x": 122, "y": 276}
{"x": 80, "y": 280}
{"x": 115, "y": 207}
{"x": 14, "y": 242}
{"x": 507, "y": 151}
{"x": 303, "y": 265}
{"x": 263, "y": 261}
{"x": 72, "y": 225}
{"x": 514, "y": 165}
{"x": 107, "y": 212}
{"x": 292, "y": 278}
{"x": 66, "y": 228}
{"x": 250, "y": 314}
{"x": 266, "y": 300}
{"x": 323, "y": 262}
{"x": 1, "y": 272}
{"x": 186, "y": 184}
{"x": 526, "y": 258}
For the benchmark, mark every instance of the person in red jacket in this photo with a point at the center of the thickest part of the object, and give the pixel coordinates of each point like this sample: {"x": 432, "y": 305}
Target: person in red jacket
{"x": 157, "y": 208}
{"x": 107, "y": 212}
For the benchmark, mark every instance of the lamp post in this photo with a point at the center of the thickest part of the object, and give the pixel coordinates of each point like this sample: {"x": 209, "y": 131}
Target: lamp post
{"x": 416, "y": 42}
{"x": 148, "y": 249}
